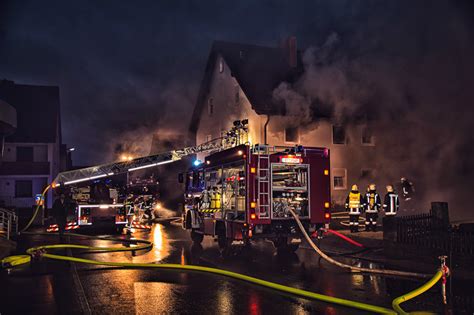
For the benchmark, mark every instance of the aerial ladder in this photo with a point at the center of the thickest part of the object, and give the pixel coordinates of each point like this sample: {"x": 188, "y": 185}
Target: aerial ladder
{"x": 236, "y": 136}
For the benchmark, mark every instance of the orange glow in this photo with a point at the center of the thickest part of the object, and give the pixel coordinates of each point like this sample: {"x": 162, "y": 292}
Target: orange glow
{"x": 327, "y": 205}
{"x": 253, "y": 204}
{"x": 253, "y": 170}
{"x": 126, "y": 157}
{"x": 327, "y": 215}
{"x": 250, "y": 233}
{"x": 240, "y": 152}
{"x": 253, "y": 216}
{"x": 326, "y": 172}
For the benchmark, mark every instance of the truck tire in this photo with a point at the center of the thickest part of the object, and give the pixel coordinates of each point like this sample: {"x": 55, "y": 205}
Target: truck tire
{"x": 197, "y": 237}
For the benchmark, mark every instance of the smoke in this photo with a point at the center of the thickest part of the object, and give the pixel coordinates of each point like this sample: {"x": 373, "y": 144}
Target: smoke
{"x": 412, "y": 86}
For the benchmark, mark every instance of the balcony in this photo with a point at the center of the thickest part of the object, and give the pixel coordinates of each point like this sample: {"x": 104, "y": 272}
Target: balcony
{"x": 24, "y": 168}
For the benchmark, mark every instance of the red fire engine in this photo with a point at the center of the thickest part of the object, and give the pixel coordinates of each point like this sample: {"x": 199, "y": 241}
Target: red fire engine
{"x": 244, "y": 193}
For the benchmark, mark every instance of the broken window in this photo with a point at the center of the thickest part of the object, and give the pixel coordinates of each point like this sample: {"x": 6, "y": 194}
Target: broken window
{"x": 367, "y": 136}
{"x": 338, "y": 134}
{"x": 291, "y": 134}
{"x": 210, "y": 106}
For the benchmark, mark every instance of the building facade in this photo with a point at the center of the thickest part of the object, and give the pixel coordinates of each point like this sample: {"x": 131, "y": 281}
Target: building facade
{"x": 32, "y": 154}
{"x": 239, "y": 83}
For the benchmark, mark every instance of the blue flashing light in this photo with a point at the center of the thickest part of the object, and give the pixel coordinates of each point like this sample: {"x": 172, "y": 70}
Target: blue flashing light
{"x": 197, "y": 162}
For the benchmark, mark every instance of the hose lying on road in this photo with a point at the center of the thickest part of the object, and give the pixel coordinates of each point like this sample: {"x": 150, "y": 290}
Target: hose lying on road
{"x": 349, "y": 267}
{"x": 410, "y": 295}
{"x": 42, "y": 251}
{"x": 347, "y": 239}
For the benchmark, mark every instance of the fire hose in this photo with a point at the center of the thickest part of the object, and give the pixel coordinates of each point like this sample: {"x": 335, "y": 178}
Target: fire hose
{"x": 42, "y": 251}
{"x": 349, "y": 267}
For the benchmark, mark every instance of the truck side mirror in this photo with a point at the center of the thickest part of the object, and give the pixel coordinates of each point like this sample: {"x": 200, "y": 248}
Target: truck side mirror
{"x": 180, "y": 178}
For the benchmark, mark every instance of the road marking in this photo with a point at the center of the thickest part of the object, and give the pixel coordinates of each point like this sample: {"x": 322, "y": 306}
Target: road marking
{"x": 81, "y": 295}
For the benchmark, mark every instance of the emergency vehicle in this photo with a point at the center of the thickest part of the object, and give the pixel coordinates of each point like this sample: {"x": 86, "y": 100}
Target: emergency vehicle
{"x": 244, "y": 193}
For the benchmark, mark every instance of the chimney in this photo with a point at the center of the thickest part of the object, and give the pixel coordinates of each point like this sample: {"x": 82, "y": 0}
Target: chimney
{"x": 290, "y": 47}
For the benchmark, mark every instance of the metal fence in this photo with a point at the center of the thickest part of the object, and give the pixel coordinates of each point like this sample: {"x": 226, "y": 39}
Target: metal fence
{"x": 425, "y": 231}
{"x": 8, "y": 223}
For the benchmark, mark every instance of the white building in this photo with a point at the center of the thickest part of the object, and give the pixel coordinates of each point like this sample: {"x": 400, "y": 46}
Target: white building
{"x": 239, "y": 82}
{"x": 31, "y": 157}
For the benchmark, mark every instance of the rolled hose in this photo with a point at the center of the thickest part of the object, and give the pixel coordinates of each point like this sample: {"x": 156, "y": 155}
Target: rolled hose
{"x": 42, "y": 251}
{"x": 349, "y": 267}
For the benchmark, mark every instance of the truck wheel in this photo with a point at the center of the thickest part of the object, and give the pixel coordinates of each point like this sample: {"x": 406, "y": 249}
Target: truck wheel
{"x": 197, "y": 237}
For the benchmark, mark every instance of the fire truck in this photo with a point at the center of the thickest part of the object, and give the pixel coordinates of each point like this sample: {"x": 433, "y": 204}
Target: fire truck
{"x": 244, "y": 193}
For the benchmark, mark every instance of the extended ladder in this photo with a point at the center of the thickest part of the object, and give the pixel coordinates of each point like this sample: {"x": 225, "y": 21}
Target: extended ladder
{"x": 263, "y": 181}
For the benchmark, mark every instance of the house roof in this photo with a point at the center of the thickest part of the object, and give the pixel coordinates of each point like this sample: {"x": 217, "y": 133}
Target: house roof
{"x": 258, "y": 70}
{"x": 38, "y": 112}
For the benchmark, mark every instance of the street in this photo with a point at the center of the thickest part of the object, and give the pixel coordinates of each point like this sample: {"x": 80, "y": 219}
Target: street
{"x": 60, "y": 287}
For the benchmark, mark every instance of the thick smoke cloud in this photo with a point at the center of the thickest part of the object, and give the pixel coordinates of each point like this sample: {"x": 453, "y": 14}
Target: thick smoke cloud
{"x": 128, "y": 71}
{"x": 416, "y": 97}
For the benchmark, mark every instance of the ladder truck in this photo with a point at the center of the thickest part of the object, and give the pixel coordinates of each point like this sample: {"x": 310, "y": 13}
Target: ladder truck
{"x": 116, "y": 213}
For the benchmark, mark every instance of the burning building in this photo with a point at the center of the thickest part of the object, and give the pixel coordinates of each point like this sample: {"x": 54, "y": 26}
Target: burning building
{"x": 251, "y": 82}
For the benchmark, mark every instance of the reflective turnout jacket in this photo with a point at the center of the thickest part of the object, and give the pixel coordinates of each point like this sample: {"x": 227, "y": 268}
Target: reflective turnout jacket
{"x": 372, "y": 202}
{"x": 391, "y": 203}
{"x": 354, "y": 202}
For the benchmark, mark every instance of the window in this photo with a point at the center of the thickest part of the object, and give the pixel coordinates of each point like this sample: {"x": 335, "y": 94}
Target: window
{"x": 338, "y": 135}
{"x": 210, "y": 106}
{"x": 23, "y": 188}
{"x": 339, "y": 178}
{"x": 237, "y": 95}
{"x": 24, "y": 154}
{"x": 291, "y": 134}
{"x": 367, "y": 136}
{"x": 367, "y": 174}
{"x": 221, "y": 65}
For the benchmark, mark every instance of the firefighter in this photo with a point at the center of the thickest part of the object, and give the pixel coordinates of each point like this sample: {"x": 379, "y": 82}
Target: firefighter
{"x": 372, "y": 207}
{"x": 407, "y": 188}
{"x": 204, "y": 202}
{"x": 391, "y": 202}
{"x": 354, "y": 204}
{"x": 130, "y": 211}
{"x": 60, "y": 214}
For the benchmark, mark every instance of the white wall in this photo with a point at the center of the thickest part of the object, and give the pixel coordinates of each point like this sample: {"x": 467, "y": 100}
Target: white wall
{"x": 40, "y": 151}
{"x": 352, "y": 156}
{"x": 7, "y": 190}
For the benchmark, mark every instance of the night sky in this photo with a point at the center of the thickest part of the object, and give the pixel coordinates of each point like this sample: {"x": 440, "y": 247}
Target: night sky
{"x": 129, "y": 69}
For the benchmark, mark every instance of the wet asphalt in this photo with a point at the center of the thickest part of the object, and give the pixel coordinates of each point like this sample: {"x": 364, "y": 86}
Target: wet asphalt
{"x": 55, "y": 287}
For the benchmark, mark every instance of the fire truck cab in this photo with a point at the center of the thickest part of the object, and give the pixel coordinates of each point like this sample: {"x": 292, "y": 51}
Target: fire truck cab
{"x": 244, "y": 193}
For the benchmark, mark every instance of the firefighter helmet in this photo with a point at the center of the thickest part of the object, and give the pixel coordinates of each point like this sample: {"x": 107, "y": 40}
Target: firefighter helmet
{"x": 372, "y": 187}
{"x": 389, "y": 188}
{"x": 355, "y": 188}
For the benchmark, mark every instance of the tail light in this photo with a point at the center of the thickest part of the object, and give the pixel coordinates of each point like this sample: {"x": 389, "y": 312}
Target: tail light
{"x": 327, "y": 216}
{"x": 253, "y": 216}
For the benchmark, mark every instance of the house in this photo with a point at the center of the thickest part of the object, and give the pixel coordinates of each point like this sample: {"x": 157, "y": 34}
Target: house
{"x": 239, "y": 83}
{"x": 32, "y": 153}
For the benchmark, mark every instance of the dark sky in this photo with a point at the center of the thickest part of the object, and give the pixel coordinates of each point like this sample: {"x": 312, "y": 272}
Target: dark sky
{"x": 129, "y": 69}
{"x": 126, "y": 68}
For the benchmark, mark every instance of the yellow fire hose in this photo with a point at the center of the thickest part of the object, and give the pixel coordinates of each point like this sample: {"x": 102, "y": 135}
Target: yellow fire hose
{"x": 36, "y": 210}
{"x": 41, "y": 251}
{"x": 410, "y": 295}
